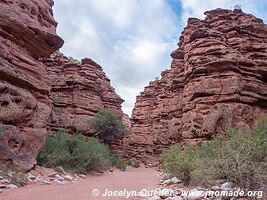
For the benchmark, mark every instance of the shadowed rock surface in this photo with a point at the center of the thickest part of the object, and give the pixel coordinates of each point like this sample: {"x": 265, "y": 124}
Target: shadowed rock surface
{"x": 27, "y": 32}
{"x": 217, "y": 81}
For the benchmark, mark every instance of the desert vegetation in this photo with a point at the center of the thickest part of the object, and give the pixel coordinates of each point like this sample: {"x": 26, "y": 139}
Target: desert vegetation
{"x": 1, "y": 131}
{"x": 108, "y": 127}
{"x": 74, "y": 153}
{"x": 14, "y": 175}
{"x": 239, "y": 157}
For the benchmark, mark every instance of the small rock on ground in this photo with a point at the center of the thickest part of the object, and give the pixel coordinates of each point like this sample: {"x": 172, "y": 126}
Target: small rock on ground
{"x": 82, "y": 176}
{"x": 226, "y": 186}
{"x": 12, "y": 186}
{"x": 4, "y": 181}
{"x": 154, "y": 198}
{"x": 58, "y": 177}
{"x": 174, "y": 198}
{"x": 59, "y": 182}
{"x": 68, "y": 178}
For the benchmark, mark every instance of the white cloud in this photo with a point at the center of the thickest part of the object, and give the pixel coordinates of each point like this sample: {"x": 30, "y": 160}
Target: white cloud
{"x": 129, "y": 91}
{"x": 131, "y": 39}
{"x": 196, "y": 8}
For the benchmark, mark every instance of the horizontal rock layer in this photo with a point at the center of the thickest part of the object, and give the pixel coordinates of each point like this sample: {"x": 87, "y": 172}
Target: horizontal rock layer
{"x": 217, "y": 81}
{"x": 79, "y": 90}
{"x": 27, "y": 32}
{"x": 39, "y": 91}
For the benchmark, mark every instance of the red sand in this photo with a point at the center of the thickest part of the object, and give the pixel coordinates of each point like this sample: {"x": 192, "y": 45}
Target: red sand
{"x": 132, "y": 179}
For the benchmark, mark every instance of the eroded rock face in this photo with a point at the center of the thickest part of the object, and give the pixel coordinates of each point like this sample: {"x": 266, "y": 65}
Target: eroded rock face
{"x": 79, "y": 90}
{"x": 127, "y": 122}
{"x": 217, "y": 80}
{"x": 27, "y": 32}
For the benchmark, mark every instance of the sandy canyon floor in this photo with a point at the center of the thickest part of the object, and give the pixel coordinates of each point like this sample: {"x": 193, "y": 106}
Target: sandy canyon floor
{"x": 134, "y": 179}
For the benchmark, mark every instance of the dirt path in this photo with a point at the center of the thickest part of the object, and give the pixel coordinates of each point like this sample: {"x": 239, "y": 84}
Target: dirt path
{"x": 131, "y": 180}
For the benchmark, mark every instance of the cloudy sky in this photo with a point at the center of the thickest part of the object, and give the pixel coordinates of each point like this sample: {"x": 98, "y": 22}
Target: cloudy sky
{"x": 132, "y": 39}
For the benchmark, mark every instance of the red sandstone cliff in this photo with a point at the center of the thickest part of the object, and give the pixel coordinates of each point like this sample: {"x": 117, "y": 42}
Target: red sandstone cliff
{"x": 217, "y": 80}
{"x": 27, "y": 32}
{"x": 39, "y": 93}
{"x": 79, "y": 90}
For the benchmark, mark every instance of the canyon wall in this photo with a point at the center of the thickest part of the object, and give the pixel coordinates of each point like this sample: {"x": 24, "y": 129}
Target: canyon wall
{"x": 217, "y": 81}
{"x": 27, "y": 32}
{"x": 41, "y": 93}
{"x": 79, "y": 90}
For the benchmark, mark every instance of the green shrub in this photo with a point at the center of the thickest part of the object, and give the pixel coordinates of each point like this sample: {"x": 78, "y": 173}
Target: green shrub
{"x": 134, "y": 163}
{"x": 179, "y": 163}
{"x": 118, "y": 162}
{"x": 240, "y": 159}
{"x": 236, "y": 156}
{"x": 73, "y": 153}
{"x": 1, "y": 131}
{"x": 13, "y": 174}
{"x": 108, "y": 127}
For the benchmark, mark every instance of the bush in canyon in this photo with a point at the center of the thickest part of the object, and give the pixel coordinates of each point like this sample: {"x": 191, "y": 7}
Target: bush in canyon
{"x": 74, "y": 153}
{"x": 134, "y": 163}
{"x": 1, "y": 131}
{"x": 108, "y": 127}
{"x": 13, "y": 174}
{"x": 239, "y": 157}
{"x": 119, "y": 162}
{"x": 180, "y": 163}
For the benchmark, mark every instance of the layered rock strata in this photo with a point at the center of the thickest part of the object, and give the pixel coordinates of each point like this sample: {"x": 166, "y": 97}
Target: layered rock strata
{"x": 39, "y": 92}
{"x": 27, "y": 32}
{"x": 79, "y": 90}
{"x": 217, "y": 81}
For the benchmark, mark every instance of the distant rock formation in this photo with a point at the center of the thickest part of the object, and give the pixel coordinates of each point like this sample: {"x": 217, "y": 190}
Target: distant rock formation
{"x": 217, "y": 81}
{"x": 79, "y": 90}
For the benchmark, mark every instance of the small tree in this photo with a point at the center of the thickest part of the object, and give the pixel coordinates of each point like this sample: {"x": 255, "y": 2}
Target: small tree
{"x": 180, "y": 163}
{"x": 108, "y": 127}
{"x": 238, "y": 7}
